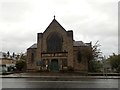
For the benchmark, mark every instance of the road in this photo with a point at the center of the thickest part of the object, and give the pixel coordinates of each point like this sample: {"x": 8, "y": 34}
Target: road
{"x": 36, "y": 83}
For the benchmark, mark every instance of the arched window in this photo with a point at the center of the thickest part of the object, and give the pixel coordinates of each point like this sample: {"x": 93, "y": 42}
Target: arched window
{"x": 54, "y": 43}
{"x": 32, "y": 57}
{"x": 79, "y": 56}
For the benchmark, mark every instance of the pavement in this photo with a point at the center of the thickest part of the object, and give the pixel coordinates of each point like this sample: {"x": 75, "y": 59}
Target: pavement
{"x": 62, "y": 76}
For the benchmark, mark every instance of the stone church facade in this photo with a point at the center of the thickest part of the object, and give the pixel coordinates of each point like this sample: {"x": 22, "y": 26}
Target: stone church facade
{"x": 57, "y": 50}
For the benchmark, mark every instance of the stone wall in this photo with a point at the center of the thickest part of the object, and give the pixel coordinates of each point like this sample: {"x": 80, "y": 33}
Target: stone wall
{"x": 81, "y": 65}
{"x": 67, "y": 38}
{"x": 31, "y": 60}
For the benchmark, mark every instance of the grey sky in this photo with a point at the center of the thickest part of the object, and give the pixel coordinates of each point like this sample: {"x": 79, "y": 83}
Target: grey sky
{"x": 91, "y": 20}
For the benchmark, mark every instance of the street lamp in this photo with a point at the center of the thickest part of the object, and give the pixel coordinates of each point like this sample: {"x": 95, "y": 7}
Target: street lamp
{"x": 104, "y": 65}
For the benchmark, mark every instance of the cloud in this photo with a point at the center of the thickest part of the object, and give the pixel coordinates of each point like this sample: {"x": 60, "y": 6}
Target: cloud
{"x": 13, "y": 11}
{"x": 91, "y": 20}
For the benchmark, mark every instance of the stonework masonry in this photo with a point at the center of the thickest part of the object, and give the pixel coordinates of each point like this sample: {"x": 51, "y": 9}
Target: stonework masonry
{"x": 56, "y": 50}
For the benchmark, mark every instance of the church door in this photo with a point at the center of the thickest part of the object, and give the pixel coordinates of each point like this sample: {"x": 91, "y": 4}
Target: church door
{"x": 54, "y": 65}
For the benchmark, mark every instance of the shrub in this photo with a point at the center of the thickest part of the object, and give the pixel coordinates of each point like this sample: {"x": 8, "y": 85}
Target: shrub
{"x": 20, "y": 65}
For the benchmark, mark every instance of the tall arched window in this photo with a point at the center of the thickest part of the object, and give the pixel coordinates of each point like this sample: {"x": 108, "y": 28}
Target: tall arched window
{"x": 79, "y": 56}
{"x": 54, "y": 43}
{"x": 32, "y": 57}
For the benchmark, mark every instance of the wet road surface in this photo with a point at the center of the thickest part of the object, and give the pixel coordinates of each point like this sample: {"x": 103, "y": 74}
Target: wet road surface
{"x": 36, "y": 83}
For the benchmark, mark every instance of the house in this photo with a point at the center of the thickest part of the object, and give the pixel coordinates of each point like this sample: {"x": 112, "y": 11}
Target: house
{"x": 6, "y": 63}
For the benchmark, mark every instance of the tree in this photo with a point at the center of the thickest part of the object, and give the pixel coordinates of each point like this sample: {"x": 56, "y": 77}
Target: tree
{"x": 23, "y": 57}
{"x": 115, "y": 62}
{"x": 93, "y": 64}
{"x": 96, "y": 52}
{"x": 20, "y": 65}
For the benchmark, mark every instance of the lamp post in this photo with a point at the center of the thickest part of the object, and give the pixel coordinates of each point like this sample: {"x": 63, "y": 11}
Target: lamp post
{"x": 104, "y": 66}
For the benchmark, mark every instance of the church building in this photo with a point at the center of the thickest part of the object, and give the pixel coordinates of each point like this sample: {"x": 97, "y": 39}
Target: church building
{"x": 56, "y": 50}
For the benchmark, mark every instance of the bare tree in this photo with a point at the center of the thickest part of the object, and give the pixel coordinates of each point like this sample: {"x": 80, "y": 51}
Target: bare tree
{"x": 96, "y": 52}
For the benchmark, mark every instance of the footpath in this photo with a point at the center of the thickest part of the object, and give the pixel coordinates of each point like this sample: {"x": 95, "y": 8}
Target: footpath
{"x": 57, "y": 76}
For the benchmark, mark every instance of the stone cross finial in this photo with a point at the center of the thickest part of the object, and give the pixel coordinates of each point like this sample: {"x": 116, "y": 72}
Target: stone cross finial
{"x": 54, "y": 16}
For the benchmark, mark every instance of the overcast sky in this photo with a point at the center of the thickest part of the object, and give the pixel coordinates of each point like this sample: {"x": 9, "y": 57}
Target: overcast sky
{"x": 90, "y": 20}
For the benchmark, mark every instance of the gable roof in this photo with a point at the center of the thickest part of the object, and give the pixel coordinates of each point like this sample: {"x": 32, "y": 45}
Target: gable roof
{"x": 33, "y": 46}
{"x": 79, "y": 43}
{"x": 2, "y": 54}
{"x": 75, "y": 43}
{"x": 54, "y": 23}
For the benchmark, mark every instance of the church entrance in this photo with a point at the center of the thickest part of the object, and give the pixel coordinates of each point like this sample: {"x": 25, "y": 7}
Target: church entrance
{"x": 54, "y": 65}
